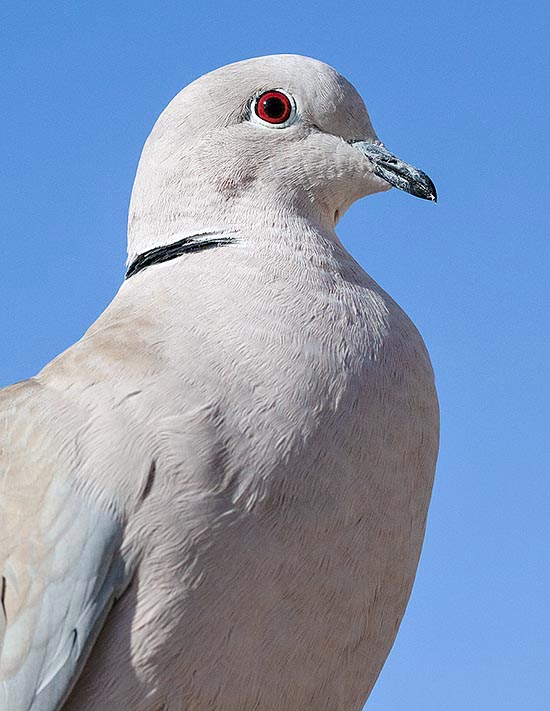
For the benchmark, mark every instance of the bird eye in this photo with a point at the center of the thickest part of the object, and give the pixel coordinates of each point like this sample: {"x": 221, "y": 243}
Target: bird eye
{"x": 274, "y": 107}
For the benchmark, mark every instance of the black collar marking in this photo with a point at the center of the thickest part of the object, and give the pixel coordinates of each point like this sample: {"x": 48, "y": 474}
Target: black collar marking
{"x": 196, "y": 243}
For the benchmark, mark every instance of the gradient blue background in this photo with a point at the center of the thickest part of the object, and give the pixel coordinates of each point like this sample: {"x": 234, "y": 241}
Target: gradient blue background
{"x": 461, "y": 90}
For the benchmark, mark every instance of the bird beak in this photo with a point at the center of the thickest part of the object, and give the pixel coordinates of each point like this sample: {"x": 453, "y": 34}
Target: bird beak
{"x": 397, "y": 173}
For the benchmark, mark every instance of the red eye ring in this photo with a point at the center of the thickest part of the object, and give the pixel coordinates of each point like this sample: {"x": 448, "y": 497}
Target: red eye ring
{"x": 273, "y": 107}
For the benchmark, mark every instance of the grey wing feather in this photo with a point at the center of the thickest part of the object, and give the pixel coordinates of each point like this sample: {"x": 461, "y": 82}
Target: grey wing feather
{"x": 60, "y": 563}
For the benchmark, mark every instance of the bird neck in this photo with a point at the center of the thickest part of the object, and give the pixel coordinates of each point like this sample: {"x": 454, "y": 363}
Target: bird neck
{"x": 160, "y": 228}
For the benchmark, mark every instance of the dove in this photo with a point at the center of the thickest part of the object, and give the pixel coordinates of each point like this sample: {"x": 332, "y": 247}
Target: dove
{"x": 216, "y": 499}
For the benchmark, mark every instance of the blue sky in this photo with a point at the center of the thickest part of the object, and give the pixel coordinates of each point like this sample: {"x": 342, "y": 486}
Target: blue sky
{"x": 459, "y": 89}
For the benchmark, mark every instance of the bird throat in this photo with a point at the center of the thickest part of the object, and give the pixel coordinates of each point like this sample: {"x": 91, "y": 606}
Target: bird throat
{"x": 195, "y": 243}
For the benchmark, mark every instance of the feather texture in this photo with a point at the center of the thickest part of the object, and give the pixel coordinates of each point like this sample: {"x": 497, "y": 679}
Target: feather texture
{"x": 248, "y": 433}
{"x": 59, "y": 556}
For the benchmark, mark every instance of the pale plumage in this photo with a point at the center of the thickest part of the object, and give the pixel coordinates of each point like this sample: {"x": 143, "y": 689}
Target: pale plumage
{"x": 240, "y": 451}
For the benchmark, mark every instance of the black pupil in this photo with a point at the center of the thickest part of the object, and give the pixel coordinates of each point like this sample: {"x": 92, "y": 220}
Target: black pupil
{"x": 274, "y": 107}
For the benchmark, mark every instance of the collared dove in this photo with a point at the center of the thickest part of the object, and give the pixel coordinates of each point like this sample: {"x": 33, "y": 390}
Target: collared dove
{"x": 216, "y": 499}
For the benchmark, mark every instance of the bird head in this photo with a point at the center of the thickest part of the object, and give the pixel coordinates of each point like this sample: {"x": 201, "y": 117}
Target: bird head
{"x": 257, "y": 142}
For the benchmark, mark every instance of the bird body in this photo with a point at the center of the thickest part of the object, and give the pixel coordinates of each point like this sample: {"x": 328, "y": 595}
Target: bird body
{"x": 216, "y": 499}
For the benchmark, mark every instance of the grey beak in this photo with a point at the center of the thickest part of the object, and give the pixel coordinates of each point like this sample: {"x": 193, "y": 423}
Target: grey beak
{"x": 397, "y": 173}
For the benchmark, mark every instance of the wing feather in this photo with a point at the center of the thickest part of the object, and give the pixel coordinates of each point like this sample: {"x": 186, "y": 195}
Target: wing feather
{"x": 60, "y": 562}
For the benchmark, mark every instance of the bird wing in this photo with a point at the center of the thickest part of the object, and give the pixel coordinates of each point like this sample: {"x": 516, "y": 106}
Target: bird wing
{"x": 60, "y": 563}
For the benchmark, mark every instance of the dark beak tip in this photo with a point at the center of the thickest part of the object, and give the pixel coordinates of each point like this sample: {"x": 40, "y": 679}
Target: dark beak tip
{"x": 396, "y": 172}
{"x": 425, "y": 187}
{"x": 433, "y": 192}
